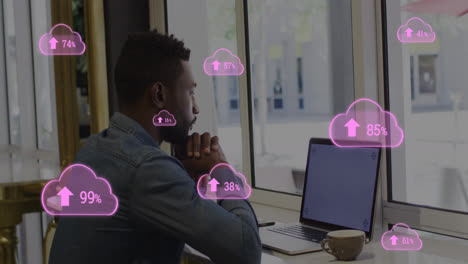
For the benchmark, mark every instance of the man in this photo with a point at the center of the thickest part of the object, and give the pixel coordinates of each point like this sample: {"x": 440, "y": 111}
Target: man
{"x": 159, "y": 207}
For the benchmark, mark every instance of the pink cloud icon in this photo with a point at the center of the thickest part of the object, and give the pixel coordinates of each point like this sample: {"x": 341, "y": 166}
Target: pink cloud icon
{"x": 164, "y": 118}
{"x": 223, "y": 182}
{"x": 79, "y": 191}
{"x": 61, "y": 40}
{"x": 401, "y": 237}
{"x": 365, "y": 124}
{"x": 223, "y": 62}
{"x": 416, "y": 31}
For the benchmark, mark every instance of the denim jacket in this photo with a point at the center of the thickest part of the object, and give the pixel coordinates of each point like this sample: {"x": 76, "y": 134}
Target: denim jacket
{"x": 159, "y": 209}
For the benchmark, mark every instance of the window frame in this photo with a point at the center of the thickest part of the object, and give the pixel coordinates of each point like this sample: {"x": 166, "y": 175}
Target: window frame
{"x": 370, "y": 80}
{"x": 441, "y": 221}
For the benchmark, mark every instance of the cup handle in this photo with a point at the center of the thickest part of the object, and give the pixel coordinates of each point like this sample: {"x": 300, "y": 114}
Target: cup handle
{"x": 323, "y": 245}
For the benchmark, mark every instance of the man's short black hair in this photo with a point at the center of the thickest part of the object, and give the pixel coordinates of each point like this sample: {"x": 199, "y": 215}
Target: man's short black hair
{"x": 146, "y": 58}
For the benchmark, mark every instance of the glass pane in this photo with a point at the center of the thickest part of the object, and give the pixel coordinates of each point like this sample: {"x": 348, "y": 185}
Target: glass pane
{"x": 296, "y": 47}
{"x": 429, "y": 95}
{"x": 219, "y": 31}
{"x": 46, "y": 116}
{"x": 12, "y": 85}
{"x": 11, "y": 70}
{"x": 44, "y": 81}
{"x": 222, "y": 31}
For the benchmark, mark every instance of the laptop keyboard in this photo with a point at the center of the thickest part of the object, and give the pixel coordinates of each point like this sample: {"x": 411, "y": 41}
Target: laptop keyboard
{"x": 300, "y": 231}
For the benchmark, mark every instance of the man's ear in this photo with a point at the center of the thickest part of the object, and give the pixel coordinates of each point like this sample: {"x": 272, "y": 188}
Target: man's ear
{"x": 158, "y": 95}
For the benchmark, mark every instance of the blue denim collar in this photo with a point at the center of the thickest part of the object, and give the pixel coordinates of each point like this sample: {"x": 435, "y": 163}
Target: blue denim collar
{"x": 128, "y": 125}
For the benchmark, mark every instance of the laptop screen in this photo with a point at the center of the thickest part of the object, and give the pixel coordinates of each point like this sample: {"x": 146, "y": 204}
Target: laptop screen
{"x": 340, "y": 185}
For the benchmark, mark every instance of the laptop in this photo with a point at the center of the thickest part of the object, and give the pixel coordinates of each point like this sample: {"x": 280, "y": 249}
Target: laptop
{"x": 339, "y": 193}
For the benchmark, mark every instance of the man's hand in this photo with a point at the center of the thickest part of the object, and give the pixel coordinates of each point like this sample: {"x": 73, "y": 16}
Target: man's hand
{"x": 197, "y": 144}
{"x": 201, "y": 154}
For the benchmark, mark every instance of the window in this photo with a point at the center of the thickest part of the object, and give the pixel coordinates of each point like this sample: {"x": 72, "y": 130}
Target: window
{"x": 11, "y": 92}
{"x": 212, "y": 25}
{"x": 28, "y": 135}
{"x": 427, "y": 74}
{"x": 303, "y": 60}
{"x": 425, "y": 87}
{"x": 31, "y": 134}
{"x": 298, "y": 61}
{"x": 45, "y": 112}
{"x": 427, "y": 91}
{"x": 301, "y": 51}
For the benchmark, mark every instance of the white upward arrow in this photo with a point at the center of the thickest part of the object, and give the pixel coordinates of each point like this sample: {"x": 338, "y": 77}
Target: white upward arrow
{"x": 53, "y": 43}
{"x": 213, "y": 183}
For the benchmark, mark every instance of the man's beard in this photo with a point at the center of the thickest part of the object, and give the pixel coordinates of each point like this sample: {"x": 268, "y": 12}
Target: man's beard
{"x": 177, "y": 134}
